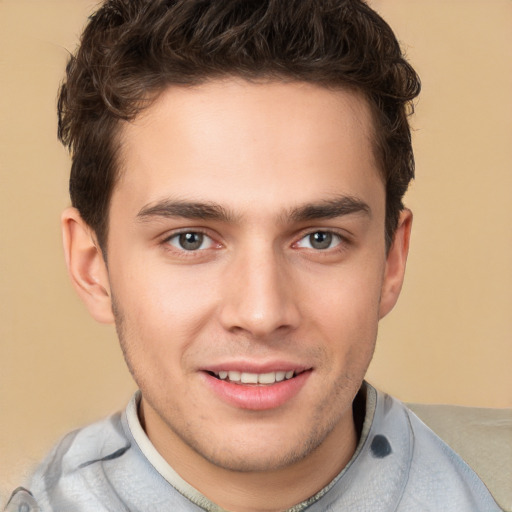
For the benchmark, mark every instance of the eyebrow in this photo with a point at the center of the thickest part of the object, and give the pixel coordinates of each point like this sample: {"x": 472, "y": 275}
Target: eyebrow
{"x": 330, "y": 209}
{"x": 169, "y": 208}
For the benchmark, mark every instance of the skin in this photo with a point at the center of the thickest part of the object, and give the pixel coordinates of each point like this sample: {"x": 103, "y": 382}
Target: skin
{"x": 260, "y": 168}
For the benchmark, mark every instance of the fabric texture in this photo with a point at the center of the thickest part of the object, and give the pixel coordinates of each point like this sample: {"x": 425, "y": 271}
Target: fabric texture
{"x": 400, "y": 465}
{"x": 481, "y": 436}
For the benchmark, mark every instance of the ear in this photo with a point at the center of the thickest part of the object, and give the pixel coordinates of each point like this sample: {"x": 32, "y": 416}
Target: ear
{"x": 86, "y": 266}
{"x": 395, "y": 264}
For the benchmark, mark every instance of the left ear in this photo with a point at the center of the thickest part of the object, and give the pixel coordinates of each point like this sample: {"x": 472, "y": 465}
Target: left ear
{"x": 395, "y": 264}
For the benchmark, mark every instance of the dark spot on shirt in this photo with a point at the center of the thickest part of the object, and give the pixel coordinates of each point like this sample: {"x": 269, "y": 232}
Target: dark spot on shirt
{"x": 380, "y": 446}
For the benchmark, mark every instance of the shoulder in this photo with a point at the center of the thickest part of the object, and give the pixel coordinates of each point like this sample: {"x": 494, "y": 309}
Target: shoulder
{"x": 482, "y": 437}
{"x": 99, "y": 441}
{"x": 73, "y": 467}
{"x": 400, "y": 465}
{"x": 437, "y": 477}
{"x": 99, "y": 468}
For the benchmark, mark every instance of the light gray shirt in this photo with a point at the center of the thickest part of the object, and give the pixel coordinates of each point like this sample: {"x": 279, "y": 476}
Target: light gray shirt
{"x": 399, "y": 465}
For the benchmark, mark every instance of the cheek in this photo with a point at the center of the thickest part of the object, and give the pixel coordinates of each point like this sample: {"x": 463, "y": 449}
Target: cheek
{"x": 163, "y": 307}
{"x": 345, "y": 308}
{"x": 348, "y": 296}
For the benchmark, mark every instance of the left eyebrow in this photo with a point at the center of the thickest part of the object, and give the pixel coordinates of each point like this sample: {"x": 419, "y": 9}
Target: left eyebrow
{"x": 330, "y": 209}
{"x": 169, "y": 208}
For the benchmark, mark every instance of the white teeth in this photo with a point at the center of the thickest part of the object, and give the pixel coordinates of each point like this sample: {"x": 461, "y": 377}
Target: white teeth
{"x": 267, "y": 378}
{"x": 255, "y": 378}
{"x": 249, "y": 378}
{"x": 234, "y": 376}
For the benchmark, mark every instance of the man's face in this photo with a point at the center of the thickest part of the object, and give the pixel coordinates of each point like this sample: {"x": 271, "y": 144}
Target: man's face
{"x": 246, "y": 263}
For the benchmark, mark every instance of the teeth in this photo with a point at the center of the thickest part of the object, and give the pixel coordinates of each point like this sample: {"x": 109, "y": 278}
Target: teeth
{"x": 249, "y": 378}
{"x": 255, "y": 378}
{"x": 280, "y": 376}
{"x": 234, "y": 376}
{"x": 267, "y": 378}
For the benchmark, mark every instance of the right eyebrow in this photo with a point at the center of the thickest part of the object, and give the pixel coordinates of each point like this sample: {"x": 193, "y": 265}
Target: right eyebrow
{"x": 168, "y": 208}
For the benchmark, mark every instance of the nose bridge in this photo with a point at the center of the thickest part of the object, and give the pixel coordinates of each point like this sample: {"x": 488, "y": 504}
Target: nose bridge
{"x": 259, "y": 297}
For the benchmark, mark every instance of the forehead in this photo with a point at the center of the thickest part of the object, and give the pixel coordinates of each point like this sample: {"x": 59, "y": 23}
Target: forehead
{"x": 235, "y": 142}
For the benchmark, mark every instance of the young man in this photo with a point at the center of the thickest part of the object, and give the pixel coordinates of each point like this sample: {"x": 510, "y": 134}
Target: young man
{"x": 237, "y": 182}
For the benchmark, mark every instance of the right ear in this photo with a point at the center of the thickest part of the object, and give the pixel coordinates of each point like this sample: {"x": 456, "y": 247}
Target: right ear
{"x": 86, "y": 265}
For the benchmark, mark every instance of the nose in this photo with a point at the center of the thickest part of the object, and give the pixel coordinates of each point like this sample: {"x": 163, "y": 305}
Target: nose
{"x": 259, "y": 297}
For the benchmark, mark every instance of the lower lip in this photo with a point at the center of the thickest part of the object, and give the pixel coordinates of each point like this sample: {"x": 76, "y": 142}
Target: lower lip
{"x": 257, "y": 397}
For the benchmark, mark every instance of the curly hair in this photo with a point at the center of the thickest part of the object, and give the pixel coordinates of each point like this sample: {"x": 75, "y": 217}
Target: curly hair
{"x": 131, "y": 50}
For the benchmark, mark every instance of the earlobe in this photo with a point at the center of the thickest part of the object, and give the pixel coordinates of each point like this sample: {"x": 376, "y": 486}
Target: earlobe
{"x": 395, "y": 264}
{"x": 86, "y": 266}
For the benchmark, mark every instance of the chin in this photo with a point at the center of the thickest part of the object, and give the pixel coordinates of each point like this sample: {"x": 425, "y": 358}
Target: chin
{"x": 257, "y": 460}
{"x": 257, "y": 449}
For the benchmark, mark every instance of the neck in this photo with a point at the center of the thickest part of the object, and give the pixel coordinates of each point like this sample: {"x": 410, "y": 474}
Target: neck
{"x": 256, "y": 491}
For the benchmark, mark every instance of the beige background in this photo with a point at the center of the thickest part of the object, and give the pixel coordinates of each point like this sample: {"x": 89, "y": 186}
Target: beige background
{"x": 448, "y": 340}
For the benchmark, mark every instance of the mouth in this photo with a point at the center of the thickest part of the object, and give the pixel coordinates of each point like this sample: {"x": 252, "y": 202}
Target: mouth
{"x": 268, "y": 388}
{"x": 261, "y": 379}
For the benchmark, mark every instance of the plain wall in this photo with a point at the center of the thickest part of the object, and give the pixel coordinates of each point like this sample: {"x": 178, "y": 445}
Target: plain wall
{"x": 449, "y": 338}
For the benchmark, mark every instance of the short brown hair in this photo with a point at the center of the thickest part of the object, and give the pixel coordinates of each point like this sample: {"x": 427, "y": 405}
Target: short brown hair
{"x": 131, "y": 50}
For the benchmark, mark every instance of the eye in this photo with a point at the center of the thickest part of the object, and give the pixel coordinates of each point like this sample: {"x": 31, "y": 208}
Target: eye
{"x": 191, "y": 241}
{"x": 320, "y": 240}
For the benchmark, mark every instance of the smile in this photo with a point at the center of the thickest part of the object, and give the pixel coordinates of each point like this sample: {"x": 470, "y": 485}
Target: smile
{"x": 255, "y": 378}
{"x": 255, "y": 390}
